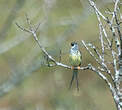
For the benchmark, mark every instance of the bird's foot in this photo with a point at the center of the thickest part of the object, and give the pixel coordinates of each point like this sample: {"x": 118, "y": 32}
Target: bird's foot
{"x": 78, "y": 67}
{"x": 72, "y": 67}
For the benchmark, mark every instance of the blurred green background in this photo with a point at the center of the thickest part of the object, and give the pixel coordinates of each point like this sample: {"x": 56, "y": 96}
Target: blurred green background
{"x": 25, "y": 83}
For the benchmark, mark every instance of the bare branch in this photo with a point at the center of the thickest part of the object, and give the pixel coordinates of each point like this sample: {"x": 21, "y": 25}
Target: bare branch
{"x": 115, "y": 9}
{"x": 23, "y": 29}
{"x": 96, "y": 51}
{"x": 60, "y": 56}
{"x": 95, "y": 8}
{"x": 118, "y": 42}
{"x": 104, "y": 66}
{"x": 56, "y": 63}
{"x": 102, "y": 42}
{"x": 114, "y": 94}
{"x": 98, "y": 13}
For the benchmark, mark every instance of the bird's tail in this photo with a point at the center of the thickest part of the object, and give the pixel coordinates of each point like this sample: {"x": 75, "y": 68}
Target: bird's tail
{"x": 75, "y": 75}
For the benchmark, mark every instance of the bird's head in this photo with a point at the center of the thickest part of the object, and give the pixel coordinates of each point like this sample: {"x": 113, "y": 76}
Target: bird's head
{"x": 74, "y": 45}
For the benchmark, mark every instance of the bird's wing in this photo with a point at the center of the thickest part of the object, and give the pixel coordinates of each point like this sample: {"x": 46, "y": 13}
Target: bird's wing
{"x": 80, "y": 54}
{"x": 80, "y": 57}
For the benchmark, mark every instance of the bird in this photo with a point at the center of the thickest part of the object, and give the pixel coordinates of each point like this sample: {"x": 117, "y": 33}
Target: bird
{"x": 75, "y": 58}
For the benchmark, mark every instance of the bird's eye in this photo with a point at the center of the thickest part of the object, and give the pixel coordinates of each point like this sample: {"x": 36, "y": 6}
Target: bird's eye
{"x": 72, "y": 44}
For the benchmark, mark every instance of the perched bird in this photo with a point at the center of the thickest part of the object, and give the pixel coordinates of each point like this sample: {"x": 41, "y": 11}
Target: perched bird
{"x": 75, "y": 58}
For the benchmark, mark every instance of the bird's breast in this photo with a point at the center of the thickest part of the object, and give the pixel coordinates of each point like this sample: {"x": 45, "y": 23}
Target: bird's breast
{"x": 75, "y": 59}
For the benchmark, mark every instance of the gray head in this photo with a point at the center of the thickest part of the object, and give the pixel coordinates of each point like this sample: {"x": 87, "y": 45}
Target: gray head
{"x": 74, "y": 46}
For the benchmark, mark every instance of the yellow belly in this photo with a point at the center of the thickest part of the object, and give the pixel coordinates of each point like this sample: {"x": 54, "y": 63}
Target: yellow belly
{"x": 75, "y": 60}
